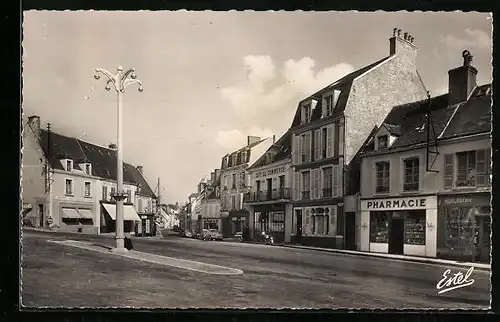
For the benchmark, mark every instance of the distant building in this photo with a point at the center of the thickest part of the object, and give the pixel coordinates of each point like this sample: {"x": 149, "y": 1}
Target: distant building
{"x": 426, "y": 176}
{"x": 269, "y": 198}
{"x": 67, "y": 181}
{"x": 211, "y": 203}
{"x": 329, "y": 129}
{"x": 234, "y": 183}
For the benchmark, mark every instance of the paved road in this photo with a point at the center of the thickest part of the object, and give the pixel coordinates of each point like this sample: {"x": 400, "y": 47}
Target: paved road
{"x": 56, "y": 275}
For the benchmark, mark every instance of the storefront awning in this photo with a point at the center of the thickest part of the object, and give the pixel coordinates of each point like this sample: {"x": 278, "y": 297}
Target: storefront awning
{"x": 128, "y": 212}
{"x": 86, "y": 213}
{"x": 70, "y": 213}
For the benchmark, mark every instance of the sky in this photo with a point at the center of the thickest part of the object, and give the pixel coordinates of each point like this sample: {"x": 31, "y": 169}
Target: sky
{"x": 212, "y": 78}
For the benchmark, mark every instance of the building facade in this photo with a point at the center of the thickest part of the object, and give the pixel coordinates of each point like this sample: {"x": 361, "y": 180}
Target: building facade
{"x": 211, "y": 205}
{"x": 235, "y": 182}
{"x": 328, "y": 131}
{"x": 271, "y": 190}
{"x": 426, "y": 176}
{"x": 68, "y": 183}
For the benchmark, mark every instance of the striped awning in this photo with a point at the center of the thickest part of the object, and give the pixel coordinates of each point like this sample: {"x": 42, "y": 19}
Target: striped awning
{"x": 70, "y": 213}
{"x": 128, "y": 212}
{"x": 86, "y": 213}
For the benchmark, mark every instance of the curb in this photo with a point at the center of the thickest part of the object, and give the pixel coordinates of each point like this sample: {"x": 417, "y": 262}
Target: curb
{"x": 479, "y": 266}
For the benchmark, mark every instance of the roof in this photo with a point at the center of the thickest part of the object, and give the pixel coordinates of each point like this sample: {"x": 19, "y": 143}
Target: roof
{"x": 408, "y": 122}
{"x": 282, "y": 148}
{"x": 344, "y": 85}
{"x": 103, "y": 159}
{"x": 474, "y": 116}
{"x": 246, "y": 147}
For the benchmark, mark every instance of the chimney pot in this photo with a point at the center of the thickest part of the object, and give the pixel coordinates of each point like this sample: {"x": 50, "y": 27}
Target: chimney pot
{"x": 405, "y": 36}
{"x": 394, "y": 31}
{"x": 461, "y": 80}
{"x": 399, "y": 32}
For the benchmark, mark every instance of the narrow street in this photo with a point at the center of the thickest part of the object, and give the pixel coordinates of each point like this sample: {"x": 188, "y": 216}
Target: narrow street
{"x": 60, "y": 276}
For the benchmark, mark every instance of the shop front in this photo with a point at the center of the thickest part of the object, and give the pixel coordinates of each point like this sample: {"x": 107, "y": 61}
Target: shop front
{"x": 405, "y": 226}
{"x": 270, "y": 219}
{"x": 319, "y": 226}
{"x": 464, "y": 227}
{"x": 211, "y": 223}
{"x": 235, "y": 221}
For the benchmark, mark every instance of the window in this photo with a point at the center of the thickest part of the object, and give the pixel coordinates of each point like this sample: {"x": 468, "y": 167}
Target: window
{"x": 415, "y": 228}
{"x": 129, "y": 196}
{"x": 233, "y": 202}
{"x": 277, "y": 223}
{"x": 139, "y": 205}
{"x": 329, "y": 104}
{"x": 327, "y": 182}
{"x": 306, "y": 113}
{"x": 234, "y": 181}
{"x": 324, "y": 142}
{"x": 234, "y": 158}
{"x": 382, "y": 142}
{"x": 69, "y": 187}
{"x": 382, "y": 177}
{"x": 379, "y": 227}
{"x": 306, "y": 185}
{"x": 466, "y": 172}
{"x": 448, "y": 171}
{"x": 87, "y": 169}
{"x": 336, "y": 139}
{"x": 87, "y": 189}
{"x": 113, "y": 191}
{"x": 244, "y": 157}
{"x": 320, "y": 224}
{"x": 411, "y": 182}
{"x": 305, "y": 147}
{"x": 104, "y": 193}
{"x": 150, "y": 205}
{"x": 243, "y": 179}
{"x": 69, "y": 165}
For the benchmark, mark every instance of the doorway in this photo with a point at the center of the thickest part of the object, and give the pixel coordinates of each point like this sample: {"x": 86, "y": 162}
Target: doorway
{"x": 269, "y": 192}
{"x": 298, "y": 232}
{"x": 350, "y": 230}
{"x": 40, "y": 211}
{"x": 396, "y": 236}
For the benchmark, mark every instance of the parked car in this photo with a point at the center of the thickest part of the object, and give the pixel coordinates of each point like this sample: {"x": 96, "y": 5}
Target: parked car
{"x": 205, "y": 234}
{"x": 239, "y": 236}
{"x": 215, "y": 234}
{"x": 188, "y": 234}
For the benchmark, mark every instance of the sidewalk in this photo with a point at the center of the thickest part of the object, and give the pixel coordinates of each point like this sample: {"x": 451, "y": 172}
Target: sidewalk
{"x": 480, "y": 266}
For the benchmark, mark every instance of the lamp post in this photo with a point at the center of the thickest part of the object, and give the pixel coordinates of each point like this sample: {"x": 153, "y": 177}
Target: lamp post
{"x": 119, "y": 81}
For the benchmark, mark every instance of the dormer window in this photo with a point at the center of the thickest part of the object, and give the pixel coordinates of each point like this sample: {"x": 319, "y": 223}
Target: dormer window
{"x": 244, "y": 156}
{"x": 69, "y": 165}
{"x": 234, "y": 157}
{"x": 329, "y": 103}
{"x": 383, "y": 141}
{"x": 269, "y": 157}
{"x": 306, "y": 113}
{"x": 88, "y": 169}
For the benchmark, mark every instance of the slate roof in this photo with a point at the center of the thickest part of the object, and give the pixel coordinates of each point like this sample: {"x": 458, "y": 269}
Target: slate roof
{"x": 344, "y": 85}
{"x": 103, "y": 159}
{"x": 471, "y": 117}
{"x": 282, "y": 147}
{"x": 246, "y": 147}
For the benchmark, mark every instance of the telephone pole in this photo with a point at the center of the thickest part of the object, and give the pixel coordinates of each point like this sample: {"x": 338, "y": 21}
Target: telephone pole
{"x": 48, "y": 173}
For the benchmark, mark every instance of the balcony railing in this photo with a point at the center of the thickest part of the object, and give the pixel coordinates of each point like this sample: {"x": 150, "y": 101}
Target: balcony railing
{"x": 306, "y": 195}
{"x": 275, "y": 194}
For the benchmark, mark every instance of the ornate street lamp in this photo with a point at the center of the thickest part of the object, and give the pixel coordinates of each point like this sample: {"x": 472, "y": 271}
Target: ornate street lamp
{"x": 119, "y": 82}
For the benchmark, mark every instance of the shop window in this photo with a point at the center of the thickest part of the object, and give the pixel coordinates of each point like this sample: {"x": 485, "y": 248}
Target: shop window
{"x": 382, "y": 177}
{"x": 456, "y": 232}
{"x": 320, "y": 224}
{"x": 379, "y": 227}
{"x": 415, "y": 228}
{"x": 277, "y": 223}
{"x": 411, "y": 182}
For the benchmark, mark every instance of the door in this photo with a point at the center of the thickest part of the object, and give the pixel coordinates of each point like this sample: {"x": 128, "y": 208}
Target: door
{"x": 40, "y": 211}
{"x": 282, "y": 186}
{"x": 298, "y": 233}
{"x": 396, "y": 236}
{"x": 484, "y": 238}
{"x": 350, "y": 230}
{"x": 269, "y": 188}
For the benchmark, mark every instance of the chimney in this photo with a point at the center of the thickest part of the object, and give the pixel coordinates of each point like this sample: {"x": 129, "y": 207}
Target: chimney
{"x": 212, "y": 177}
{"x": 461, "y": 80}
{"x": 217, "y": 174}
{"x": 34, "y": 123}
{"x": 140, "y": 168}
{"x": 252, "y": 139}
{"x": 274, "y": 139}
{"x": 402, "y": 45}
{"x": 112, "y": 146}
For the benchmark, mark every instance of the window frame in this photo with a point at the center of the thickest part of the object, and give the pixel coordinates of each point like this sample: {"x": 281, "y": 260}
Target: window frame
{"x": 89, "y": 195}
{"x": 69, "y": 165}
{"x": 379, "y": 139}
{"x": 72, "y": 186}
{"x": 404, "y": 175}
{"x": 388, "y": 178}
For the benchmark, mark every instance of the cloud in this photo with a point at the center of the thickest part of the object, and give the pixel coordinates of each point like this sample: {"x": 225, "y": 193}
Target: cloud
{"x": 234, "y": 139}
{"x": 474, "y": 38}
{"x": 297, "y": 79}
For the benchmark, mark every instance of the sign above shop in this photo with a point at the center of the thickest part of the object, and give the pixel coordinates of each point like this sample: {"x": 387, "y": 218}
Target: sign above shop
{"x": 464, "y": 200}
{"x": 269, "y": 172}
{"x": 397, "y": 204}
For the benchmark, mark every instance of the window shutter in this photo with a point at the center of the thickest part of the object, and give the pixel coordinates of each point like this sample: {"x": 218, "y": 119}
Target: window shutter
{"x": 340, "y": 183}
{"x": 481, "y": 167}
{"x": 336, "y": 94}
{"x": 323, "y": 108}
{"x": 298, "y": 149}
{"x": 448, "y": 171}
{"x": 296, "y": 186}
{"x": 317, "y": 144}
{"x": 320, "y": 183}
{"x": 275, "y": 183}
{"x": 335, "y": 181}
{"x": 340, "y": 139}
{"x": 302, "y": 115}
{"x": 314, "y": 184}
{"x": 329, "y": 141}
{"x": 294, "y": 150}
{"x": 488, "y": 166}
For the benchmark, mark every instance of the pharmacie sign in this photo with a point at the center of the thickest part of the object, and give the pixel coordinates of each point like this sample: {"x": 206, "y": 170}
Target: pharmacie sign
{"x": 395, "y": 204}
{"x": 269, "y": 172}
